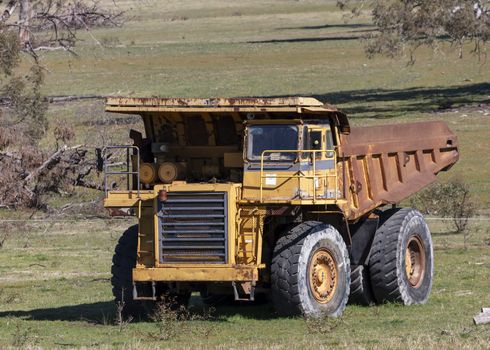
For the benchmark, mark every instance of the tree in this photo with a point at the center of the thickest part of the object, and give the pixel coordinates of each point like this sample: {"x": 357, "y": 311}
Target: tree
{"x": 27, "y": 171}
{"x": 53, "y": 24}
{"x": 451, "y": 200}
{"x": 407, "y": 25}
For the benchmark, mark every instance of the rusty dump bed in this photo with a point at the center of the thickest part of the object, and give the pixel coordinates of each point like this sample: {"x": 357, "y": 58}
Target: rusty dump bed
{"x": 386, "y": 164}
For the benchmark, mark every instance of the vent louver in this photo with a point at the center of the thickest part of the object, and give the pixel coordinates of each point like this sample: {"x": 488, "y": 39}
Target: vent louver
{"x": 193, "y": 228}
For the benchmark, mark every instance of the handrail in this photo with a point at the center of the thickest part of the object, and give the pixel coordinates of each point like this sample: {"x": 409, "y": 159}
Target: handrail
{"x": 299, "y": 175}
{"x": 129, "y": 168}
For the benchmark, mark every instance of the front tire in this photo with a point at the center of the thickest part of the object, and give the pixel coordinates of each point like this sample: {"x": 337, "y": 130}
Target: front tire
{"x": 402, "y": 259}
{"x": 123, "y": 262}
{"x": 310, "y": 272}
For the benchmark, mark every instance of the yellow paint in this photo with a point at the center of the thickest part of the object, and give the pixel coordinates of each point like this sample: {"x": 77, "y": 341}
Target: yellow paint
{"x": 197, "y": 273}
{"x": 248, "y": 201}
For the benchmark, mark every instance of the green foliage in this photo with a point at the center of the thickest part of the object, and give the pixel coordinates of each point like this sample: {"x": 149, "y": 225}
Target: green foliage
{"x": 174, "y": 321}
{"x": 27, "y": 106}
{"x": 9, "y": 51}
{"x": 167, "y": 320}
{"x": 25, "y": 114}
{"x": 411, "y": 24}
{"x": 450, "y": 200}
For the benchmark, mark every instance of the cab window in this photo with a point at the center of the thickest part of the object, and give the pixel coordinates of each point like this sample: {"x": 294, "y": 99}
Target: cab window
{"x": 272, "y": 137}
{"x": 317, "y": 140}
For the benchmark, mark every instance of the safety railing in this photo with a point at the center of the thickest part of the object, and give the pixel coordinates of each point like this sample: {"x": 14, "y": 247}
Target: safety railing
{"x": 299, "y": 174}
{"x": 128, "y": 171}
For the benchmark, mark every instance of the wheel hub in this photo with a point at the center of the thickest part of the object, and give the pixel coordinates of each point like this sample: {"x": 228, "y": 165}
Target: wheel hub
{"x": 415, "y": 261}
{"x": 323, "y": 276}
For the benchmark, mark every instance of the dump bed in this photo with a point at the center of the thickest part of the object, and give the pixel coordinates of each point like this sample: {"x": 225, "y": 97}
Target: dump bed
{"x": 386, "y": 164}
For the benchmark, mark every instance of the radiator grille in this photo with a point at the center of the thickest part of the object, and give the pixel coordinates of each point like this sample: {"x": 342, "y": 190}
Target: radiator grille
{"x": 193, "y": 228}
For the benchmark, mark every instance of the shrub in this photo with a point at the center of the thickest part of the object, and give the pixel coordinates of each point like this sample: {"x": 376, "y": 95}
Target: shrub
{"x": 451, "y": 200}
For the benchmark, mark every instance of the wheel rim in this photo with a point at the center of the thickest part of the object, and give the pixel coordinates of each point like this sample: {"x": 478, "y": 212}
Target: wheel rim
{"x": 323, "y": 276}
{"x": 415, "y": 261}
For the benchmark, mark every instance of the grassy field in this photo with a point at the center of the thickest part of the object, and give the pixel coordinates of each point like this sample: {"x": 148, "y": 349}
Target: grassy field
{"x": 268, "y": 48}
{"x": 54, "y": 287}
{"x": 55, "y": 292}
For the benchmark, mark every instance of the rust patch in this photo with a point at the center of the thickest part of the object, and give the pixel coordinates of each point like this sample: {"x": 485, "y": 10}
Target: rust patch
{"x": 120, "y": 212}
{"x": 282, "y": 211}
{"x": 388, "y": 163}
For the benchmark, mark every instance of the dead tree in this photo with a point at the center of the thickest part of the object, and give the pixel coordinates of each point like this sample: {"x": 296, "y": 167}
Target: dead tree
{"x": 27, "y": 172}
{"x": 61, "y": 19}
{"x": 24, "y": 180}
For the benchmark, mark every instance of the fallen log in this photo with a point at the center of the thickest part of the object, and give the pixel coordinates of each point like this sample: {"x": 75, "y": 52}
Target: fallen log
{"x": 54, "y": 99}
{"x": 52, "y": 159}
{"x": 483, "y": 317}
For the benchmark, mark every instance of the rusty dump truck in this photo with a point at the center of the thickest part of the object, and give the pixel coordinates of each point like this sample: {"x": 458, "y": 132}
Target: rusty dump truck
{"x": 279, "y": 197}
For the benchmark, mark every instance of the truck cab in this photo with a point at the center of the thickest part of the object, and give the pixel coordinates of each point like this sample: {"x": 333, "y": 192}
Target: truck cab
{"x": 289, "y": 161}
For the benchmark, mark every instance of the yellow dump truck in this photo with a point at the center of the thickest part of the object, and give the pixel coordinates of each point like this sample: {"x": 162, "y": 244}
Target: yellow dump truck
{"x": 276, "y": 196}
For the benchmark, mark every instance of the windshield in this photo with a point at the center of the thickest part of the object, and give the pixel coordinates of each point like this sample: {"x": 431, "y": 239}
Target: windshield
{"x": 272, "y": 137}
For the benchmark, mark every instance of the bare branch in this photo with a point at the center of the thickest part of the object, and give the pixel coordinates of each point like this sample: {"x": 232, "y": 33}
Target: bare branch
{"x": 52, "y": 159}
{"x": 9, "y": 10}
{"x": 51, "y": 48}
{"x": 54, "y": 23}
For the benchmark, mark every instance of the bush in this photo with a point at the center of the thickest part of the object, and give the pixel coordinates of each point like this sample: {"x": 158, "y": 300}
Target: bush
{"x": 450, "y": 200}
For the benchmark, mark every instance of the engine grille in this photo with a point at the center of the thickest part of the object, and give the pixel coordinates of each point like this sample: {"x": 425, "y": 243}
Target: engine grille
{"x": 193, "y": 228}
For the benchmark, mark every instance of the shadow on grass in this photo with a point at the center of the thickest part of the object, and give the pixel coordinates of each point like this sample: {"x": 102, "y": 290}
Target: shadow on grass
{"x": 92, "y": 312}
{"x": 328, "y": 26}
{"x": 104, "y": 312}
{"x": 242, "y": 309}
{"x": 417, "y": 99}
{"x": 306, "y": 40}
{"x": 426, "y": 93}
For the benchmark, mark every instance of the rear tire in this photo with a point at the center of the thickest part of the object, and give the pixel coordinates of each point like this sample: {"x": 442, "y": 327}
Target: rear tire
{"x": 310, "y": 272}
{"x": 401, "y": 262}
{"x": 360, "y": 286}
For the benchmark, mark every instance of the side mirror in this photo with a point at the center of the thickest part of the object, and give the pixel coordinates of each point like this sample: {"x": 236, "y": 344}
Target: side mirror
{"x": 136, "y": 136}
{"x": 99, "y": 159}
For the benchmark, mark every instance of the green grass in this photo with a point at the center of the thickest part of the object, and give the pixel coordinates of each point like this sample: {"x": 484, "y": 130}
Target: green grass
{"x": 258, "y": 48}
{"x": 55, "y": 292}
{"x": 54, "y": 287}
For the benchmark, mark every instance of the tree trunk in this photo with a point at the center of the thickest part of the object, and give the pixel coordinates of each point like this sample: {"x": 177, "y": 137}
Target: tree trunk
{"x": 12, "y": 4}
{"x": 24, "y": 21}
